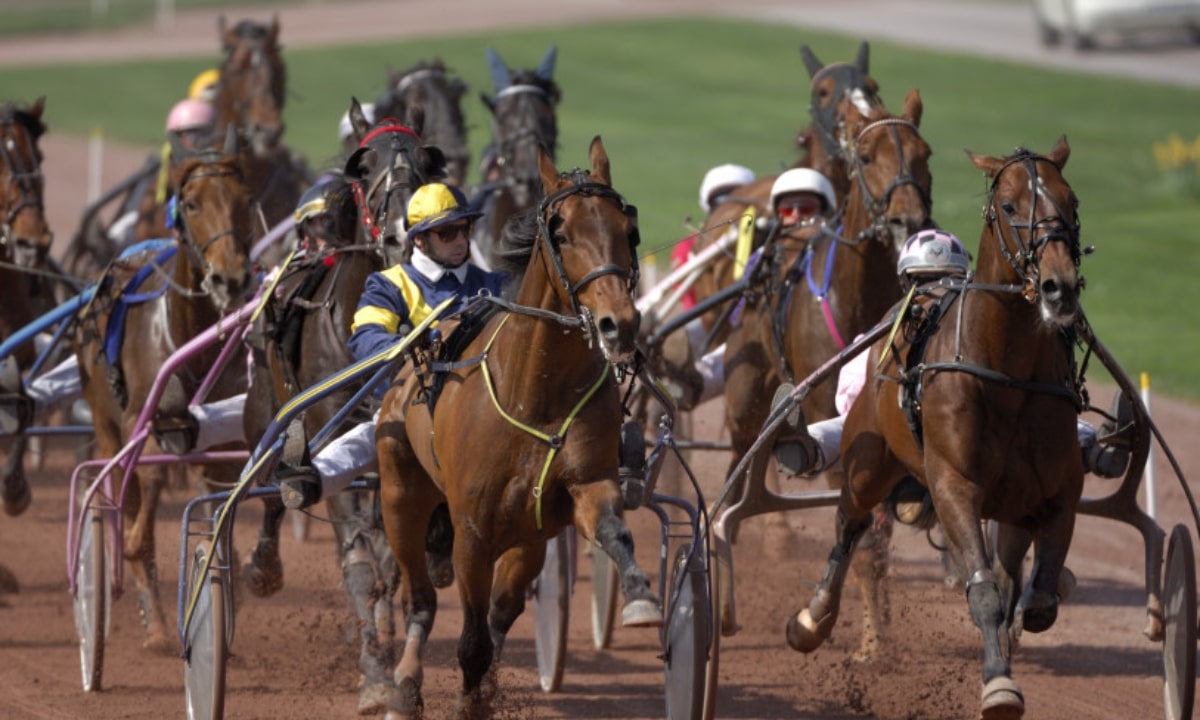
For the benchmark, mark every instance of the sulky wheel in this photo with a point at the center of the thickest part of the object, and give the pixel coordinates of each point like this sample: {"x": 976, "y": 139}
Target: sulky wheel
{"x": 685, "y": 641}
{"x": 551, "y": 597}
{"x": 93, "y": 595}
{"x": 206, "y": 650}
{"x": 1179, "y": 619}
{"x": 604, "y": 595}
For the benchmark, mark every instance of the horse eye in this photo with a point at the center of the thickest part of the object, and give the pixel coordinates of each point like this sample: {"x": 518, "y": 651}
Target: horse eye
{"x": 1007, "y": 207}
{"x": 864, "y": 159}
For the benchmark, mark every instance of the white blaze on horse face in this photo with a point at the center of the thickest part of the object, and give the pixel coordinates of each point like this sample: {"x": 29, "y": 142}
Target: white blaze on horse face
{"x": 8, "y": 143}
{"x": 859, "y": 99}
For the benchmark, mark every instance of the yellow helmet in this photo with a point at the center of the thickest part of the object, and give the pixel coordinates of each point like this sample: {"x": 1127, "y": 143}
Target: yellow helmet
{"x": 204, "y": 87}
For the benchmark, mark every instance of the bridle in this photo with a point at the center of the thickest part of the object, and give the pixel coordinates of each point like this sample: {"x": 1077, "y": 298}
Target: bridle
{"x": 877, "y": 206}
{"x": 379, "y": 190}
{"x": 536, "y": 131}
{"x": 195, "y": 251}
{"x": 848, "y": 80}
{"x": 257, "y": 66}
{"x": 1038, "y": 230}
{"x": 25, "y": 179}
{"x": 548, "y": 217}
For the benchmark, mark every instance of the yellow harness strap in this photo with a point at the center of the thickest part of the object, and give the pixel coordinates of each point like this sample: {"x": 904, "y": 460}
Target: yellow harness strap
{"x": 164, "y": 174}
{"x": 554, "y": 441}
{"x": 745, "y": 241}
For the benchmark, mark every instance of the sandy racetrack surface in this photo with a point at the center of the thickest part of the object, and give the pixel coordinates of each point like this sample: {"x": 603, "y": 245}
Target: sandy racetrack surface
{"x": 294, "y": 654}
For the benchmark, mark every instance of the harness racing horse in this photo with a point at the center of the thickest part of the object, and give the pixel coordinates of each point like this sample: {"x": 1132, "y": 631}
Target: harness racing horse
{"x": 300, "y": 342}
{"x": 977, "y": 398}
{"x": 25, "y": 241}
{"x": 132, "y": 326}
{"x": 834, "y": 87}
{"x": 523, "y": 120}
{"x": 438, "y": 95}
{"x": 250, "y": 96}
{"x": 523, "y": 440}
{"x": 814, "y": 291}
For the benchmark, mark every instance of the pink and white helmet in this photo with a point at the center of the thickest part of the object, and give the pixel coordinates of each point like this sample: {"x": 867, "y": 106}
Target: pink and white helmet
{"x": 189, "y": 114}
{"x": 933, "y": 252}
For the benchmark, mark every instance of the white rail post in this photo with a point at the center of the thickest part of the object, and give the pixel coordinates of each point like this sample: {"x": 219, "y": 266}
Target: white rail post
{"x": 1151, "y": 490}
{"x": 95, "y": 163}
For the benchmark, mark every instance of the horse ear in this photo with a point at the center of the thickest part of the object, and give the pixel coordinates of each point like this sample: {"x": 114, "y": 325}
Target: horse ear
{"x": 913, "y": 107}
{"x": 546, "y": 69}
{"x": 273, "y": 31}
{"x": 864, "y": 56}
{"x": 600, "y": 165}
{"x": 989, "y": 165}
{"x": 811, "y": 63}
{"x": 228, "y": 35}
{"x": 547, "y": 170}
{"x": 358, "y": 120}
{"x": 1060, "y": 152}
{"x": 231, "y": 140}
{"x": 488, "y": 102}
{"x": 37, "y": 107}
{"x": 501, "y": 77}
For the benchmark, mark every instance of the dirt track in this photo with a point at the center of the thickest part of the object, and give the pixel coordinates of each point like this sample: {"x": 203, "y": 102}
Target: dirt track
{"x": 292, "y": 659}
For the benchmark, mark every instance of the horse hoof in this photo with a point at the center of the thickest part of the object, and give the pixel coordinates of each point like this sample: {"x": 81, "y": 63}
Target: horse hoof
{"x": 1066, "y": 584}
{"x": 375, "y": 698}
{"x": 805, "y": 634}
{"x": 642, "y": 613}
{"x": 264, "y": 577}
{"x": 17, "y": 500}
{"x": 405, "y": 702}
{"x": 8, "y": 581}
{"x": 1039, "y": 615}
{"x": 1002, "y": 700}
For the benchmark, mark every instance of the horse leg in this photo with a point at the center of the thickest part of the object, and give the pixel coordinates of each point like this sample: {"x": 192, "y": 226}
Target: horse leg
{"x": 141, "y": 507}
{"x": 367, "y": 590}
{"x": 954, "y": 498}
{"x": 870, "y": 566}
{"x": 473, "y": 567}
{"x": 598, "y": 517}
{"x": 515, "y": 572}
{"x": 263, "y": 571}
{"x": 406, "y": 502}
{"x": 811, "y": 626}
{"x": 1038, "y": 608}
{"x": 16, "y": 493}
{"x": 1011, "y": 544}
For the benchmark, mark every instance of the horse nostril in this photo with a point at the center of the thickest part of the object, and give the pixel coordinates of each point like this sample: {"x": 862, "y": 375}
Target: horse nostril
{"x": 1051, "y": 290}
{"x": 607, "y": 327}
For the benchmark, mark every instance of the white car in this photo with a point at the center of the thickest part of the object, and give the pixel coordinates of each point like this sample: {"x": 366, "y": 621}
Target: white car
{"x": 1079, "y": 21}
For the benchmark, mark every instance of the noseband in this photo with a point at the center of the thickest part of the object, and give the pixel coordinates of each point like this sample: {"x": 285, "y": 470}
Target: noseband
{"x": 1039, "y": 230}
{"x": 548, "y": 213}
{"x": 877, "y": 207}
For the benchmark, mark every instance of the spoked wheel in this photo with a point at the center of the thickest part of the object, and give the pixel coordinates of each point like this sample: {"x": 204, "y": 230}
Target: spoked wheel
{"x": 685, "y": 643}
{"x": 551, "y": 600}
{"x": 1179, "y": 619}
{"x": 93, "y": 595}
{"x": 204, "y": 667}
{"x": 604, "y": 595}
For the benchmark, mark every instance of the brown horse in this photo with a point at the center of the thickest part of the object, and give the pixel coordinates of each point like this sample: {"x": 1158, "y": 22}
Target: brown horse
{"x": 523, "y": 440}
{"x": 24, "y": 244}
{"x": 438, "y": 94}
{"x": 207, "y": 278}
{"x": 524, "y": 121}
{"x": 815, "y": 291}
{"x": 977, "y": 398}
{"x": 301, "y": 340}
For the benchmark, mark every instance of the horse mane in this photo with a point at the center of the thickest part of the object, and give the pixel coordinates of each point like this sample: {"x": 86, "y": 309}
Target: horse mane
{"x": 24, "y": 118}
{"x": 516, "y": 243}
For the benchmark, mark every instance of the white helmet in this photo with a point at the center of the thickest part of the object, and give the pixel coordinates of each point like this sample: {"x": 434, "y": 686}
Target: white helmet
{"x": 933, "y": 252}
{"x": 804, "y": 180}
{"x": 345, "y": 128}
{"x": 722, "y": 177}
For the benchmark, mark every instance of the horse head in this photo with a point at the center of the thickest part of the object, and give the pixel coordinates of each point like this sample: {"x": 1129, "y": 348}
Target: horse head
{"x": 523, "y": 122}
{"x": 1031, "y": 231}
{"x": 214, "y": 221}
{"x": 589, "y": 236}
{"x": 250, "y": 94}
{"x": 833, "y": 84}
{"x": 25, "y": 237}
{"x": 428, "y": 87}
{"x": 888, "y": 165}
{"x": 391, "y": 162}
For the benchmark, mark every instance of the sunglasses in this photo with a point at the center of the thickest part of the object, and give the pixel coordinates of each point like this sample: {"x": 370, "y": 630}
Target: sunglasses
{"x": 451, "y": 232}
{"x": 799, "y": 208}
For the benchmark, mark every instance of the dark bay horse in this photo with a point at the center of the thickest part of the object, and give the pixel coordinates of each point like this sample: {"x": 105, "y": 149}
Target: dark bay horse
{"x": 302, "y": 340}
{"x": 524, "y": 438}
{"x": 816, "y": 290}
{"x": 985, "y": 373}
{"x": 430, "y": 87}
{"x": 208, "y": 276}
{"x": 524, "y": 119}
{"x": 25, "y": 241}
